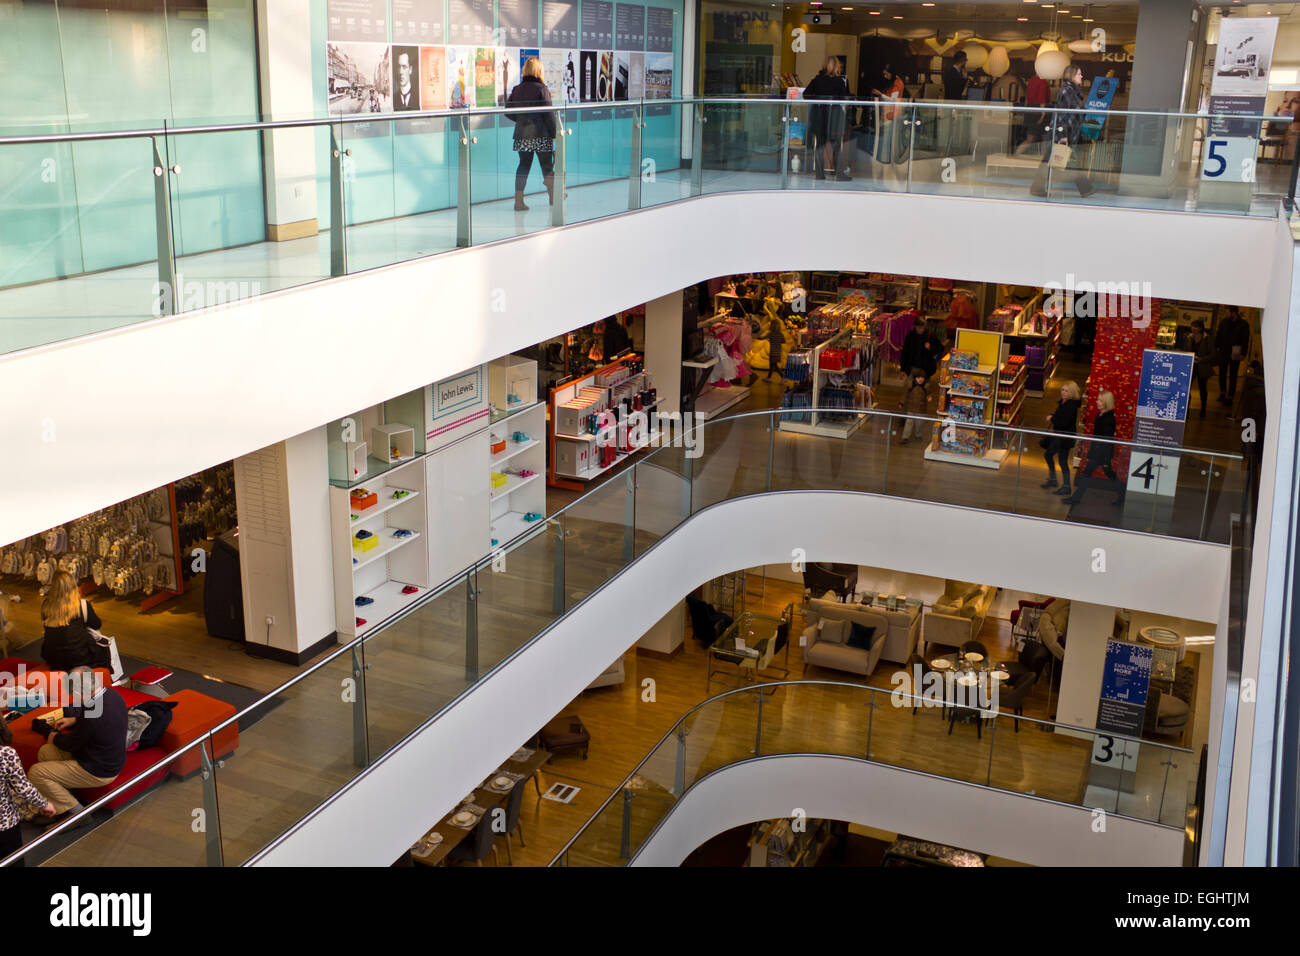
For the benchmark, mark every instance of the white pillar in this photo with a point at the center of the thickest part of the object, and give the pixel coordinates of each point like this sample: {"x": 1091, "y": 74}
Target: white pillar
{"x": 1089, "y": 628}
{"x": 289, "y": 156}
{"x": 285, "y": 555}
{"x": 663, "y": 350}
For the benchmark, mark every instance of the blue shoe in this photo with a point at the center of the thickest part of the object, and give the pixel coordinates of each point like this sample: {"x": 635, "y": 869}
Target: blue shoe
{"x": 363, "y": 601}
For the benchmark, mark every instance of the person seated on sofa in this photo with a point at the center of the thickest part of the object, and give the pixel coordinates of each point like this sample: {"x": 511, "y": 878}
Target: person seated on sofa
{"x": 87, "y": 747}
{"x": 68, "y": 641}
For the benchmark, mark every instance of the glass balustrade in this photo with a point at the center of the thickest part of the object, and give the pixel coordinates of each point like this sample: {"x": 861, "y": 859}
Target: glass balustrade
{"x": 184, "y": 205}
{"x": 302, "y": 743}
{"x": 1140, "y": 779}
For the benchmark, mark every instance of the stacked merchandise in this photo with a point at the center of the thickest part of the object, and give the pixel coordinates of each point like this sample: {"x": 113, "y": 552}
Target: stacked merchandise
{"x": 798, "y": 367}
{"x": 727, "y": 339}
{"x": 1042, "y": 334}
{"x": 1011, "y": 390}
{"x": 604, "y": 408}
{"x": 796, "y": 398}
{"x": 1003, "y": 319}
{"x": 126, "y": 548}
{"x": 205, "y": 507}
{"x": 967, "y": 393}
{"x": 895, "y": 290}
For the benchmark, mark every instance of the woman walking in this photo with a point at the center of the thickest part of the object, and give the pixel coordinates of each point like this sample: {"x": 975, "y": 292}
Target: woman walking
{"x": 534, "y": 132}
{"x": 1101, "y": 454}
{"x": 1065, "y": 420}
{"x": 826, "y": 123}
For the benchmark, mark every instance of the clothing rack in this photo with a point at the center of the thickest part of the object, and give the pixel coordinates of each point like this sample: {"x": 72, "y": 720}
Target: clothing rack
{"x": 835, "y": 387}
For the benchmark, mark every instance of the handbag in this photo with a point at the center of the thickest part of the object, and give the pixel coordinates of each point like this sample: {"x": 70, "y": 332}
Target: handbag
{"x": 1060, "y": 156}
{"x": 103, "y": 640}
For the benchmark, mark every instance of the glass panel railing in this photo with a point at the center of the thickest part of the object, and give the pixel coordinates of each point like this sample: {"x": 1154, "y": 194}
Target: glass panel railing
{"x": 741, "y": 145}
{"x": 663, "y": 178}
{"x": 514, "y": 178}
{"x": 301, "y": 744}
{"x": 956, "y": 734}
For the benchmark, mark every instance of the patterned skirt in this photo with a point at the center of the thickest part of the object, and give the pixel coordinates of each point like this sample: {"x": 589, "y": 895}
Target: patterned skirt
{"x": 534, "y": 144}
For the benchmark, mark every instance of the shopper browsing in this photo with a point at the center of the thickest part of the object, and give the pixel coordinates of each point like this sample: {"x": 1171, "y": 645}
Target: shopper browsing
{"x": 16, "y": 794}
{"x": 1065, "y": 420}
{"x": 1101, "y": 454}
{"x": 776, "y": 334}
{"x": 1205, "y": 355}
{"x": 68, "y": 621}
{"x": 1232, "y": 341}
{"x": 534, "y": 132}
{"x": 920, "y": 350}
{"x": 1067, "y": 131}
{"x": 916, "y": 401}
{"x": 87, "y": 747}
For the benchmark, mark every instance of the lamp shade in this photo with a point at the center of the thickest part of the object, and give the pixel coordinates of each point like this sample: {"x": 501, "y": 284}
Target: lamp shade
{"x": 1046, "y": 47}
{"x": 1083, "y": 46}
{"x": 976, "y": 56}
{"x": 999, "y": 61}
{"x": 1051, "y": 65}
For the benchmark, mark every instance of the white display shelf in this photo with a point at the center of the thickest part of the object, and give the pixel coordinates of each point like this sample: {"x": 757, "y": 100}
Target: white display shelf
{"x": 982, "y": 370}
{"x": 384, "y": 505}
{"x": 510, "y": 525}
{"x": 389, "y": 599}
{"x": 575, "y": 437}
{"x": 513, "y": 449}
{"x": 717, "y": 400}
{"x": 387, "y": 545}
{"x": 708, "y": 363}
{"x": 505, "y": 416}
{"x": 828, "y": 429}
{"x": 990, "y": 459}
{"x": 591, "y": 473}
{"x": 953, "y": 393}
{"x": 513, "y": 483}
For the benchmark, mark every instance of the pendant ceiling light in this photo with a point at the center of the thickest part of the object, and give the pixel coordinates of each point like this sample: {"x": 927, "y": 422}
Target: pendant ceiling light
{"x": 999, "y": 61}
{"x": 976, "y": 56}
{"x": 1051, "y": 65}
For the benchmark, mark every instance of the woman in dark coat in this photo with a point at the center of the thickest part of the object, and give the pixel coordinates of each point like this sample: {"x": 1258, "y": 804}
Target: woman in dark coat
{"x": 1068, "y": 132}
{"x": 826, "y": 123}
{"x": 1101, "y": 454}
{"x": 534, "y": 132}
{"x": 1064, "y": 420}
{"x": 68, "y": 641}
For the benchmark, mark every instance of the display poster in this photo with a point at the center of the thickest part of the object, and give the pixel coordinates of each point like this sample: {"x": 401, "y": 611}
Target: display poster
{"x": 406, "y": 80}
{"x": 1242, "y": 61}
{"x": 629, "y": 27}
{"x": 460, "y": 77}
{"x": 507, "y": 72}
{"x": 559, "y": 23}
{"x": 524, "y": 56}
{"x": 658, "y": 76}
{"x": 417, "y": 21}
{"x": 588, "y": 66}
{"x": 485, "y": 83}
{"x": 622, "y": 76}
{"x": 358, "y": 20}
{"x": 433, "y": 77}
{"x": 560, "y": 69}
{"x": 471, "y": 22}
{"x": 518, "y": 22}
{"x": 598, "y": 24}
{"x": 360, "y": 81}
{"x": 1164, "y": 388}
{"x": 1100, "y": 95}
{"x": 1124, "y": 683}
{"x": 659, "y": 30}
{"x": 636, "y": 76}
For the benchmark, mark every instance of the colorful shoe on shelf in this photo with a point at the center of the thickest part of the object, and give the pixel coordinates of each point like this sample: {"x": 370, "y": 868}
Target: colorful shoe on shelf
{"x": 403, "y": 533}
{"x": 363, "y": 534}
{"x": 410, "y": 589}
{"x": 400, "y": 493}
{"x": 354, "y": 561}
{"x": 526, "y": 473}
{"x": 494, "y": 542}
{"x": 363, "y": 601}
{"x": 519, "y": 438}
{"x": 361, "y": 622}
{"x": 532, "y": 516}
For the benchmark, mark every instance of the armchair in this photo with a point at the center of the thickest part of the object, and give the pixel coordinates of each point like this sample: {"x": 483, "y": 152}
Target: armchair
{"x": 958, "y": 615}
{"x": 613, "y": 674}
{"x": 826, "y": 645}
{"x": 707, "y": 623}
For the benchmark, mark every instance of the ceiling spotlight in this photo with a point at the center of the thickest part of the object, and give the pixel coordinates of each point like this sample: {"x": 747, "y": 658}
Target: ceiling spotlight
{"x": 874, "y": 13}
{"x": 1087, "y": 19}
{"x": 898, "y": 16}
{"x": 846, "y": 8}
{"x": 927, "y": 4}
{"x": 1022, "y": 19}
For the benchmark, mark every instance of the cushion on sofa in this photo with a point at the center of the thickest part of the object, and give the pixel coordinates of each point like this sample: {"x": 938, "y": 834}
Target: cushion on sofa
{"x": 860, "y": 636}
{"x": 971, "y": 594}
{"x": 1059, "y": 612}
{"x": 967, "y": 611}
{"x": 839, "y": 657}
{"x": 831, "y": 632}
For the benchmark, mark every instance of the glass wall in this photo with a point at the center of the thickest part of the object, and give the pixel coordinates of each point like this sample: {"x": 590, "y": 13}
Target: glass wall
{"x": 74, "y": 66}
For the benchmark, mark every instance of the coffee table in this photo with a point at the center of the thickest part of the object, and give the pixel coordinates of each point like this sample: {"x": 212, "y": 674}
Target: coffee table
{"x": 755, "y": 630}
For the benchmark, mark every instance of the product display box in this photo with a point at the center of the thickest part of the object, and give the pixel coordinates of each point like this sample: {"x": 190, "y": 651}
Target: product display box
{"x": 958, "y": 360}
{"x": 970, "y": 384}
{"x": 365, "y": 544}
{"x": 363, "y": 499}
{"x": 572, "y": 457}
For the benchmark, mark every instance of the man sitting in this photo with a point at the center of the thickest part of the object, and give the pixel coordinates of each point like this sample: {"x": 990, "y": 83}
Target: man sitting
{"x": 87, "y": 747}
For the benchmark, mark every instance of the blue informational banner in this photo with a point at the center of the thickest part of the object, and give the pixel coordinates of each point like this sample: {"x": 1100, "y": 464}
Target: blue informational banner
{"x": 1100, "y": 96}
{"x": 1166, "y": 385}
{"x": 1124, "y": 685}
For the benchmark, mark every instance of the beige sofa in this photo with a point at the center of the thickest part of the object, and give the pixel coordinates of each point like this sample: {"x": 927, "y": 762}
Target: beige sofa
{"x": 958, "y": 615}
{"x": 904, "y": 625}
{"x": 825, "y": 644}
{"x": 613, "y": 674}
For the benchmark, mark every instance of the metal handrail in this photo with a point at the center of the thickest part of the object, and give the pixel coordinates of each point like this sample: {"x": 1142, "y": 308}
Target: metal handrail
{"x": 460, "y": 577}
{"x": 907, "y": 698}
{"x": 352, "y": 118}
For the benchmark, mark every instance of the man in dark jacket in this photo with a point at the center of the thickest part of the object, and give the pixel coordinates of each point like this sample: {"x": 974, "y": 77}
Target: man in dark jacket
{"x": 920, "y": 350}
{"x": 1232, "y": 341}
{"x": 1066, "y": 130}
{"x": 87, "y": 747}
{"x": 955, "y": 80}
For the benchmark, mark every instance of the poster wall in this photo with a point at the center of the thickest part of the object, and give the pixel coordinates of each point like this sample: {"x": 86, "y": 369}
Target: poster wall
{"x": 417, "y": 21}
{"x": 1242, "y": 61}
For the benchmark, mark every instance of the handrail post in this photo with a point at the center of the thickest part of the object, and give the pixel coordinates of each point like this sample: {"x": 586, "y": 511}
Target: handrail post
{"x": 559, "y": 178}
{"x": 625, "y": 838}
{"x": 169, "y": 297}
{"x": 688, "y": 486}
{"x": 758, "y": 727}
{"x": 360, "y": 739}
{"x": 697, "y": 153}
{"x": 889, "y": 440}
{"x": 338, "y": 239}
{"x": 629, "y": 517}
{"x": 679, "y": 769}
{"x": 771, "y": 445}
{"x": 785, "y": 147}
{"x": 1205, "y": 502}
{"x": 1051, "y": 143}
{"x": 463, "y": 227}
{"x": 911, "y": 146}
{"x": 211, "y": 818}
{"x": 993, "y": 737}
{"x": 471, "y": 628}
{"x": 634, "y": 180}
{"x": 871, "y": 719}
{"x": 557, "y": 580}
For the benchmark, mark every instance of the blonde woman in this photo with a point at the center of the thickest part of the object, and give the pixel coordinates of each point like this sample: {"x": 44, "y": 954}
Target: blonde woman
{"x": 826, "y": 123}
{"x": 534, "y": 132}
{"x": 1064, "y": 421}
{"x": 1101, "y": 454}
{"x": 68, "y": 619}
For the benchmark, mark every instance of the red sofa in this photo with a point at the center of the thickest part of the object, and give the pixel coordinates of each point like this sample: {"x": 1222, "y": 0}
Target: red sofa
{"x": 194, "y": 715}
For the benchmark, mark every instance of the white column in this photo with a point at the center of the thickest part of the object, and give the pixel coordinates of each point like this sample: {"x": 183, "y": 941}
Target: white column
{"x": 663, "y": 349}
{"x": 1089, "y": 628}
{"x": 285, "y": 555}
{"x": 289, "y": 156}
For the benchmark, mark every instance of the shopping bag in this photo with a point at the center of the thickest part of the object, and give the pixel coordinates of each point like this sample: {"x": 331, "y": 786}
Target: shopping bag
{"x": 1060, "y": 156}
